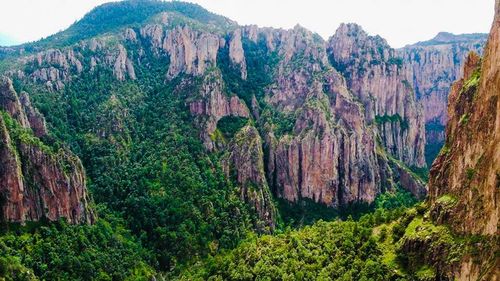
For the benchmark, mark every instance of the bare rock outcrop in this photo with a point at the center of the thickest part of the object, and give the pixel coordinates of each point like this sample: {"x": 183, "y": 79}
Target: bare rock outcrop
{"x": 329, "y": 156}
{"x": 431, "y": 67}
{"x": 464, "y": 186}
{"x": 35, "y": 181}
{"x": 212, "y": 104}
{"x": 374, "y": 75}
{"x": 190, "y": 51}
{"x": 236, "y": 52}
{"x": 245, "y": 160}
{"x": 122, "y": 65}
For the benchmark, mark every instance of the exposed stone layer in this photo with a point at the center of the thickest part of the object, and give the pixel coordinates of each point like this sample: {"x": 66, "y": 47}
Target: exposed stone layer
{"x": 431, "y": 67}
{"x": 334, "y": 149}
{"x": 244, "y": 159}
{"x": 35, "y": 182}
{"x": 374, "y": 75}
{"x": 467, "y": 171}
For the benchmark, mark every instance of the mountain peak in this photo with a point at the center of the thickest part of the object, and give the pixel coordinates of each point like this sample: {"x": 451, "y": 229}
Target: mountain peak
{"x": 112, "y": 16}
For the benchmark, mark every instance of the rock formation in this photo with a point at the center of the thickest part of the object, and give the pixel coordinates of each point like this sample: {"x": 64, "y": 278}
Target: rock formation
{"x": 431, "y": 67}
{"x": 320, "y": 142}
{"x": 374, "y": 75}
{"x": 236, "y": 52}
{"x": 467, "y": 171}
{"x": 244, "y": 160}
{"x": 190, "y": 51}
{"x": 36, "y": 182}
{"x": 213, "y": 104}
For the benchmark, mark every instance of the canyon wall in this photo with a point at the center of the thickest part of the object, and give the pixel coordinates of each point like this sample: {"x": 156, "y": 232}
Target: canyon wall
{"x": 36, "y": 181}
{"x": 467, "y": 170}
{"x": 431, "y": 67}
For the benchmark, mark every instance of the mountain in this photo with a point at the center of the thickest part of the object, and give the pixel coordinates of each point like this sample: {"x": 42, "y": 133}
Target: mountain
{"x": 280, "y": 81}
{"x": 182, "y": 136}
{"x": 431, "y": 67}
{"x": 453, "y": 236}
{"x": 37, "y": 180}
{"x": 467, "y": 169}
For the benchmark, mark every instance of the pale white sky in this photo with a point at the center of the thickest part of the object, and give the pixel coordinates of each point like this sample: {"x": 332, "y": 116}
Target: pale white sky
{"x": 401, "y": 22}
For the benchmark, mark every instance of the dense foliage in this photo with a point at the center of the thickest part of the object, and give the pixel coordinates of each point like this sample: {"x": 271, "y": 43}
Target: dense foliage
{"x": 57, "y": 251}
{"x": 111, "y": 16}
{"x": 145, "y": 162}
{"x": 164, "y": 202}
{"x": 338, "y": 250}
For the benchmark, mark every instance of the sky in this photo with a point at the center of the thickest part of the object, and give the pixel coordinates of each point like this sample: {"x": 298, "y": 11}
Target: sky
{"x": 400, "y": 22}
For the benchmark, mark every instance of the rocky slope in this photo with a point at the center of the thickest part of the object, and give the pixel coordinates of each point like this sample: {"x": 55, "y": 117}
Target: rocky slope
{"x": 324, "y": 139}
{"x": 375, "y": 76}
{"x": 465, "y": 178}
{"x": 431, "y": 67}
{"x": 36, "y": 182}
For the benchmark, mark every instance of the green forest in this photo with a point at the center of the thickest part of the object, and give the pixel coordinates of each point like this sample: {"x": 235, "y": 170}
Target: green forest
{"x": 165, "y": 208}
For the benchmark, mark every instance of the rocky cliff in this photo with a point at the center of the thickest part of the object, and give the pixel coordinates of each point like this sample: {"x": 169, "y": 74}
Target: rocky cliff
{"x": 245, "y": 162}
{"x": 36, "y": 181}
{"x": 324, "y": 139}
{"x": 375, "y": 76}
{"x": 465, "y": 178}
{"x": 431, "y": 67}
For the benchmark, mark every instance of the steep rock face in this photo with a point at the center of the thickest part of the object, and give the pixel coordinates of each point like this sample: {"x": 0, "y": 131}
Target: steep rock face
{"x": 36, "y": 120}
{"x": 374, "y": 75}
{"x": 9, "y": 101}
{"x": 211, "y": 104}
{"x": 36, "y": 182}
{"x": 319, "y": 140}
{"x": 236, "y": 52}
{"x": 329, "y": 156}
{"x": 244, "y": 160}
{"x": 431, "y": 67}
{"x": 122, "y": 65}
{"x": 191, "y": 52}
{"x": 467, "y": 171}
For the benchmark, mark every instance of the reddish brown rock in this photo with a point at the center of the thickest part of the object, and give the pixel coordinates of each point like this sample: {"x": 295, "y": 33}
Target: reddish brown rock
{"x": 213, "y": 104}
{"x": 190, "y": 51}
{"x": 431, "y": 67}
{"x": 374, "y": 75}
{"x": 244, "y": 159}
{"x": 237, "y": 54}
{"x": 467, "y": 170}
{"x": 35, "y": 181}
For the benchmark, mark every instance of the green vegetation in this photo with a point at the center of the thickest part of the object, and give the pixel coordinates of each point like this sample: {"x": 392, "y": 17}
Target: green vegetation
{"x": 433, "y": 147}
{"x": 112, "y": 16}
{"x": 396, "y": 118}
{"x": 23, "y": 135}
{"x": 473, "y": 81}
{"x": 164, "y": 204}
{"x": 395, "y": 60}
{"x": 230, "y": 125}
{"x": 470, "y": 173}
{"x": 421, "y": 172}
{"x": 325, "y": 251}
{"x": 307, "y": 212}
{"x": 145, "y": 163}
{"x": 446, "y": 248}
{"x": 464, "y": 119}
{"x": 58, "y": 251}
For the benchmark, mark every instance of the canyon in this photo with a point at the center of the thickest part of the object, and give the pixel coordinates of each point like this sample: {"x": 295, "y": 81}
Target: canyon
{"x": 155, "y": 140}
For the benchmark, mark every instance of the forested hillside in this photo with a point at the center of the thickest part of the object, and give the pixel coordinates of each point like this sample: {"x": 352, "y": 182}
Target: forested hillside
{"x": 156, "y": 140}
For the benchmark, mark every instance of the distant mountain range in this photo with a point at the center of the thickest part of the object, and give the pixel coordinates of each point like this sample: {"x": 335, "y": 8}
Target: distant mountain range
{"x": 447, "y": 38}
